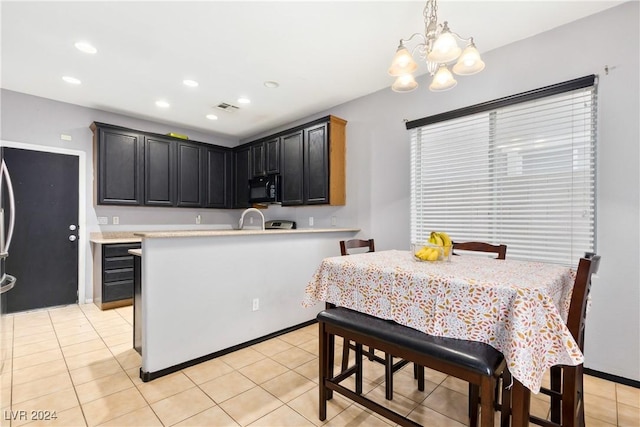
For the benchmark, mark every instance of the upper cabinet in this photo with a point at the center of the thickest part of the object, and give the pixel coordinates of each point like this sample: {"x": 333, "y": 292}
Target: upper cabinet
{"x": 119, "y": 166}
{"x": 138, "y": 168}
{"x": 242, "y": 174}
{"x": 159, "y": 171}
{"x": 313, "y": 164}
{"x": 218, "y": 178}
{"x": 190, "y": 174}
{"x": 141, "y": 168}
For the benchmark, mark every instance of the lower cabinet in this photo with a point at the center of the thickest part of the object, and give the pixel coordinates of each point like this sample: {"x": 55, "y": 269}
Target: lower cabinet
{"x": 113, "y": 275}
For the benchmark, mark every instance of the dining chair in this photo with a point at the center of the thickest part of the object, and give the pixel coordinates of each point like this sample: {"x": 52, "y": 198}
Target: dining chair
{"x": 387, "y": 361}
{"x": 474, "y": 390}
{"x": 566, "y": 387}
{"x": 499, "y": 250}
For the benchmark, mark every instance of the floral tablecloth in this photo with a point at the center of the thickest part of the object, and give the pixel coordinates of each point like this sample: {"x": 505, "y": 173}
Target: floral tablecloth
{"x": 518, "y": 307}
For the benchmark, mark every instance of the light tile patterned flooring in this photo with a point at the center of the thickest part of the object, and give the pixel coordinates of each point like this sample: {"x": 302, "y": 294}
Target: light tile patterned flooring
{"x": 78, "y": 362}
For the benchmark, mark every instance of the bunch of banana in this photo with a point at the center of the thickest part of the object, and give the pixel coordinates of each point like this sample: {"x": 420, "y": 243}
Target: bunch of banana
{"x": 438, "y": 248}
{"x": 440, "y": 238}
{"x": 427, "y": 253}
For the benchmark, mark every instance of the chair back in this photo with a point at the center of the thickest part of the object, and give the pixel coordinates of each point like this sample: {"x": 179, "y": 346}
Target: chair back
{"x": 581, "y": 287}
{"x": 345, "y": 245}
{"x": 500, "y": 250}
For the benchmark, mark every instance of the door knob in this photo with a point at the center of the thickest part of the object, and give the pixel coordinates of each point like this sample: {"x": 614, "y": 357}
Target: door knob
{"x": 73, "y": 238}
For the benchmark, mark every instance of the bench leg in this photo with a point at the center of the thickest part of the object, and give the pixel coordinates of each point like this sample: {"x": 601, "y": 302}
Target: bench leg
{"x": 505, "y": 405}
{"x": 323, "y": 365}
{"x": 418, "y": 370}
{"x": 345, "y": 354}
{"x": 358, "y": 368}
{"x": 474, "y": 399}
{"x": 487, "y": 389}
{"x": 388, "y": 376}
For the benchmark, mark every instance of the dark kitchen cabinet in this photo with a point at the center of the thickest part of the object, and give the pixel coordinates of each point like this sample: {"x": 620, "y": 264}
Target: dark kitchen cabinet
{"x": 258, "y": 167}
{"x": 291, "y": 168}
{"x": 272, "y": 156}
{"x": 190, "y": 174}
{"x": 310, "y": 159}
{"x": 316, "y": 165}
{"x": 242, "y": 168}
{"x": 119, "y": 165}
{"x": 159, "y": 171}
{"x": 113, "y": 277}
{"x": 218, "y": 178}
{"x": 265, "y": 157}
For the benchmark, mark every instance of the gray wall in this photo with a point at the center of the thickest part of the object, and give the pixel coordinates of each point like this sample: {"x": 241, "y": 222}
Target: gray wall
{"x": 378, "y": 159}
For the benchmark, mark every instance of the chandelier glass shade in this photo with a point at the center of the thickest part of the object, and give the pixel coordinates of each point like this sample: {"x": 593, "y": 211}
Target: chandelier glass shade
{"x": 438, "y": 48}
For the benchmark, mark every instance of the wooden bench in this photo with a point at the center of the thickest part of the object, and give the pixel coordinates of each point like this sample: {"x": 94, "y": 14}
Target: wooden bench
{"x": 474, "y": 362}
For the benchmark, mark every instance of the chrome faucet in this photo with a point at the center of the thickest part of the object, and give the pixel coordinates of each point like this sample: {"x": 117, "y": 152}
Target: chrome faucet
{"x": 246, "y": 211}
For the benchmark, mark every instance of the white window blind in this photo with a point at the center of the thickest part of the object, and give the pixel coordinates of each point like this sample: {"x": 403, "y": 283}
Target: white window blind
{"x": 522, "y": 174}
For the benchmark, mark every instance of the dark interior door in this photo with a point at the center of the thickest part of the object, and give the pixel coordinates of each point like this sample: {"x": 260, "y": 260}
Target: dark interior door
{"x": 44, "y": 251}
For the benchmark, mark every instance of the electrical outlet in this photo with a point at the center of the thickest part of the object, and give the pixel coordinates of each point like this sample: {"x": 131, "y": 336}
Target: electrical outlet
{"x": 65, "y": 137}
{"x": 198, "y": 219}
{"x": 256, "y": 304}
{"x": 310, "y": 221}
{"x": 334, "y": 221}
{"x": 103, "y": 220}
{"x": 115, "y": 220}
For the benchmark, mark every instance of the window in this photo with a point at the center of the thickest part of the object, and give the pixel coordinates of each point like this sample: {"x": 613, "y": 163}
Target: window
{"x": 518, "y": 171}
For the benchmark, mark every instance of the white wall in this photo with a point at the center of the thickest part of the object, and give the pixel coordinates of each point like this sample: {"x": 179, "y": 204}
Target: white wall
{"x": 378, "y": 158}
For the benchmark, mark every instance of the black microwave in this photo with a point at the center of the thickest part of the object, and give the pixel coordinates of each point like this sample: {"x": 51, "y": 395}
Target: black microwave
{"x": 264, "y": 189}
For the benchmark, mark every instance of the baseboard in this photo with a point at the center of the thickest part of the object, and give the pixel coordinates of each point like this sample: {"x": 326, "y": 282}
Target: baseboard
{"x": 613, "y": 378}
{"x": 148, "y": 376}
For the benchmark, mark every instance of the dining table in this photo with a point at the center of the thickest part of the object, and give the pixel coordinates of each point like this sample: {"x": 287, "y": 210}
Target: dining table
{"x": 518, "y": 307}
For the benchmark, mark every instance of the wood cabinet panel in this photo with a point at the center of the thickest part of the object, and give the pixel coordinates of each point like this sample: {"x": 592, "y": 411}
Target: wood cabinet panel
{"x": 159, "y": 172}
{"x": 242, "y": 167}
{"x": 118, "y": 161}
{"x": 190, "y": 174}
{"x": 291, "y": 168}
{"x": 218, "y": 178}
{"x": 316, "y": 165}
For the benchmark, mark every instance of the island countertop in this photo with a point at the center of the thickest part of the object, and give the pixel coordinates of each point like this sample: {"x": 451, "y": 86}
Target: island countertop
{"x": 245, "y": 232}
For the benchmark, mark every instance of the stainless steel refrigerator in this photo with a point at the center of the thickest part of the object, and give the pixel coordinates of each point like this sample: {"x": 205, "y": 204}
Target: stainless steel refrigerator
{"x": 7, "y": 282}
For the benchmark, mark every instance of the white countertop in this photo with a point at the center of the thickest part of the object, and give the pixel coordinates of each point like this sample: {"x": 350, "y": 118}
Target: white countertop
{"x": 246, "y": 232}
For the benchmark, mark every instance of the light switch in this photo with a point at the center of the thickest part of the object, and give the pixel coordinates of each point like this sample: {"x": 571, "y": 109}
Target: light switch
{"x": 116, "y": 220}
{"x": 103, "y": 220}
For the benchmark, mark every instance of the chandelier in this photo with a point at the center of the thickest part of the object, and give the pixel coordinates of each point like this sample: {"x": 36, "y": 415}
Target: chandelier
{"x": 438, "y": 47}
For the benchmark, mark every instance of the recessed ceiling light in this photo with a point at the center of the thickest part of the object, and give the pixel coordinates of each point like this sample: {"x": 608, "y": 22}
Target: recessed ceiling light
{"x": 212, "y": 117}
{"x": 85, "y": 47}
{"x": 271, "y": 84}
{"x": 162, "y": 104}
{"x": 243, "y": 100}
{"x": 71, "y": 80}
{"x": 190, "y": 83}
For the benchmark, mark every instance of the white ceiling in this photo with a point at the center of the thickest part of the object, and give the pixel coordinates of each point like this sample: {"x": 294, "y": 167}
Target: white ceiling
{"x": 322, "y": 53}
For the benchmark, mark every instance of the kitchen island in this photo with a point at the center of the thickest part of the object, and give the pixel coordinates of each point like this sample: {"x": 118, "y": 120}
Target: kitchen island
{"x": 207, "y": 292}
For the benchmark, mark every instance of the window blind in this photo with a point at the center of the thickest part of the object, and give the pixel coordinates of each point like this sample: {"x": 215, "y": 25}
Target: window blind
{"x": 521, "y": 174}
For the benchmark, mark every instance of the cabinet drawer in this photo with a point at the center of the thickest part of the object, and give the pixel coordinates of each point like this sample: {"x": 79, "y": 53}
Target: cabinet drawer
{"x": 122, "y": 289}
{"x": 118, "y": 262}
{"x": 118, "y": 249}
{"x": 117, "y": 274}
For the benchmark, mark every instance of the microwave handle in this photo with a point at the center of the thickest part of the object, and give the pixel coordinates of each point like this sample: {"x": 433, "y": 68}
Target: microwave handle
{"x": 4, "y": 174}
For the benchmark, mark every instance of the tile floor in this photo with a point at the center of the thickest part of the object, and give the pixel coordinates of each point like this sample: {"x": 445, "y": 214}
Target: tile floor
{"x": 77, "y": 362}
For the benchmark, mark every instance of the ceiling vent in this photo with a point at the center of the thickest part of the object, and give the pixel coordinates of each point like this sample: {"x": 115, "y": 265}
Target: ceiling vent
{"x": 227, "y": 107}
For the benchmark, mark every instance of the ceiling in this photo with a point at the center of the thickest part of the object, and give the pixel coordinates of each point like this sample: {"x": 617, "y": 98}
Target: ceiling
{"x": 321, "y": 53}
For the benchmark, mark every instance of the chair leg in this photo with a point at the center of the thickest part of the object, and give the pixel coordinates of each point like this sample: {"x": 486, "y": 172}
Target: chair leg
{"x": 555, "y": 374}
{"x": 569, "y": 396}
